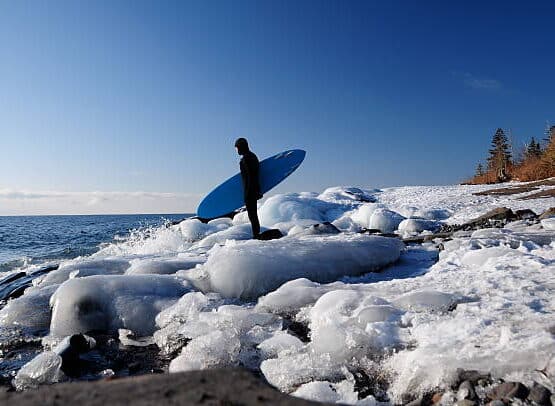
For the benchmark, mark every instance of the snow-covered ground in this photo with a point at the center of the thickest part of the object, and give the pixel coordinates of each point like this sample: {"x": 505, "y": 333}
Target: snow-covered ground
{"x": 211, "y": 297}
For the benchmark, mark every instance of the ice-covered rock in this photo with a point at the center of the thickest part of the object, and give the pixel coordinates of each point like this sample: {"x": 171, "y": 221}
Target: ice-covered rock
{"x": 548, "y": 223}
{"x": 387, "y": 221}
{"x": 342, "y": 193}
{"x": 417, "y": 226}
{"x": 279, "y": 342}
{"x": 297, "y": 206}
{"x": 30, "y": 311}
{"x": 341, "y": 392}
{"x": 109, "y": 303}
{"x": 162, "y": 266}
{"x": 216, "y": 349}
{"x": 80, "y": 268}
{"x": 253, "y": 268}
{"x": 43, "y": 369}
{"x": 425, "y": 214}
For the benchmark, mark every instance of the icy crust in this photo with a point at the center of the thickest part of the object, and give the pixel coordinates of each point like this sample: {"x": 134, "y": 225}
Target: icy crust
{"x": 250, "y": 269}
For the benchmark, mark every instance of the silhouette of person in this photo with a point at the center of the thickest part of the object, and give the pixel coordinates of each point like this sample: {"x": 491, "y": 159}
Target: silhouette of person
{"x": 250, "y": 168}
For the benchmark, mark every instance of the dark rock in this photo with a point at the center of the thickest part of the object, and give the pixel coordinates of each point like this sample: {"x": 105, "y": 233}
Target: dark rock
{"x": 508, "y": 390}
{"x": 471, "y": 376}
{"x": 548, "y": 213}
{"x": 370, "y": 231}
{"x": 297, "y": 329}
{"x": 134, "y": 367}
{"x": 466, "y": 391}
{"x": 498, "y": 214}
{"x": 465, "y": 402}
{"x": 272, "y": 234}
{"x": 540, "y": 394}
{"x": 70, "y": 352}
{"x": 526, "y": 214}
{"x": 11, "y": 278}
{"x": 14, "y": 285}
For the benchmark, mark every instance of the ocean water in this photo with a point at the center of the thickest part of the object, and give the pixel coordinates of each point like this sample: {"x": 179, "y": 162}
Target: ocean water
{"x": 26, "y": 240}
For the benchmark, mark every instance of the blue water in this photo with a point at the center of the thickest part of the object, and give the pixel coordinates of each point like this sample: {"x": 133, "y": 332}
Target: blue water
{"x": 26, "y": 240}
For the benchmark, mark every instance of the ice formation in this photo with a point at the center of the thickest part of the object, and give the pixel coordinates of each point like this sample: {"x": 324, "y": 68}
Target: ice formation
{"x": 250, "y": 269}
{"x": 111, "y": 302}
{"x": 306, "y": 310}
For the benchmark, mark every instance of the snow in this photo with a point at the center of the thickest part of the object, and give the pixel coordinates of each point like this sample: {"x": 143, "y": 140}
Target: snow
{"x": 211, "y": 297}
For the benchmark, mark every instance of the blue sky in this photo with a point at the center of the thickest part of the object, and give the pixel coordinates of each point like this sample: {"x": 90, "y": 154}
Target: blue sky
{"x": 133, "y": 99}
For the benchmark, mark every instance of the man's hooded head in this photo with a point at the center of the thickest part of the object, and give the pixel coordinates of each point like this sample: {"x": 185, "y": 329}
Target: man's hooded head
{"x": 242, "y": 146}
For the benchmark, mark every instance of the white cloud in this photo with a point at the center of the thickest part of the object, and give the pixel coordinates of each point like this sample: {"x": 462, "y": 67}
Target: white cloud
{"x": 481, "y": 83}
{"x": 25, "y": 202}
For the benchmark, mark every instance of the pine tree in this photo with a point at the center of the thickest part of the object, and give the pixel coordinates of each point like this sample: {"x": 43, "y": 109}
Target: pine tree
{"x": 533, "y": 149}
{"x": 500, "y": 155}
{"x": 479, "y": 170}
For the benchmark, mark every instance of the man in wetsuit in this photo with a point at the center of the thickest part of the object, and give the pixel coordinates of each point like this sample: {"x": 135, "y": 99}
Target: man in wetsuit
{"x": 250, "y": 168}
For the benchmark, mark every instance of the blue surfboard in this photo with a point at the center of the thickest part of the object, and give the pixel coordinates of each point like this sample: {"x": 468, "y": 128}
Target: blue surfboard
{"x": 228, "y": 197}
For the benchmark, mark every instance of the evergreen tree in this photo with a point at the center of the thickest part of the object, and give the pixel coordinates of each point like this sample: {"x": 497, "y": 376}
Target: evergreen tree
{"x": 499, "y": 155}
{"x": 479, "y": 170}
{"x": 533, "y": 149}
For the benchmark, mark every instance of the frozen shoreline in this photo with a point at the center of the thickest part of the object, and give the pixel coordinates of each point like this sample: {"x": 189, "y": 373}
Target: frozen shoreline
{"x": 477, "y": 299}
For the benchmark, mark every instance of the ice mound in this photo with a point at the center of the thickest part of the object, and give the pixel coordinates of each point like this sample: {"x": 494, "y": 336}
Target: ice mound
{"x": 162, "y": 266}
{"x": 290, "y": 297}
{"x": 81, "y": 268}
{"x": 281, "y": 341}
{"x": 212, "y": 334}
{"x": 387, "y": 221}
{"x": 250, "y": 269}
{"x": 349, "y": 194}
{"x": 237, "y": 232}
{"x": 341, "y": 392}
{"x": 427, "y": 300}
{"x": 112, "y": 302}
{"x": 30, "y": 311}
{"x": 194, "y": 229}
{"x": 425, "y": 214}
{"x": 294, "y": 207}
{"x": 347, "y": 326}
{"x": 43, "y": 369}
{"x": 417, "y": 226}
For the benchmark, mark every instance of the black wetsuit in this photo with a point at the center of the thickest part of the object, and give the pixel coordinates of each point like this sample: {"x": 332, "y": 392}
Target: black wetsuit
{"x": 250, "y": 168}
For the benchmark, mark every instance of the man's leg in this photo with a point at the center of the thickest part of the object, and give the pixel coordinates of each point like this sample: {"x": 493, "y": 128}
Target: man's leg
{"x": 253, "y": 217}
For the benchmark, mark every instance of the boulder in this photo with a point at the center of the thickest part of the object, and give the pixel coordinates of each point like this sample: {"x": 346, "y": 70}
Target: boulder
{"x": 526, "y": 214}
{"x": 540, "y": 394}
{"x": 508, "y": 390}
{"x": 272, "y": 234}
